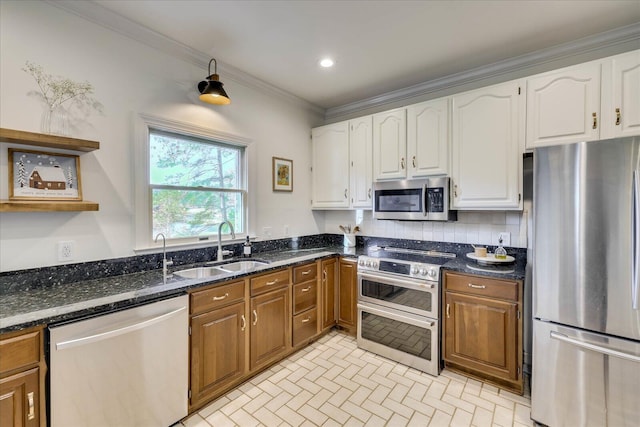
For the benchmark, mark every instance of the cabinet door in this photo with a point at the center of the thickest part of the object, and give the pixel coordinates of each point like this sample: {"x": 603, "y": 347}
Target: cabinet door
{"x": 622, "y": 118}
{"x": 347, "y": 295}
{"x": 486, "y": 148}
{"x": 19, "y": 399}
{"x": 361, "y": 156}
{"x": 270, "y": 326}
{"x": 481, "y": 334}
{"x": 390, "y": 145}
{"x": 330, "y": 162}
{"x": 428, "y": 138}
{"x": 563, "y": 106}
{"x": 329, "y": 273}
{"x": 217, "y": 349}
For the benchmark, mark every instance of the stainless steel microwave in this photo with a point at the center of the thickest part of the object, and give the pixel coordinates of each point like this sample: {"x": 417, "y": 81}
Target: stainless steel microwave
{"x": 413, "y": 200}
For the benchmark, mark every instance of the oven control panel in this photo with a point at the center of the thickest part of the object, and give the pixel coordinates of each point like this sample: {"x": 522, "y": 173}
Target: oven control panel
{"x": 399, "y": 267}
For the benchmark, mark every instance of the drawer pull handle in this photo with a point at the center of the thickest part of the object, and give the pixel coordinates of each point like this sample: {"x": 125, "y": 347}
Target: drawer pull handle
{"x": 471, "y": 285}
{"x": 273, "y": 282}
{"x": 617, "y": 117}
{"x": 414, "y": 161}
{"x": 304, "y": 273}
{"x": 244, "y": 323}
{"x": 255, "y": 318}
{"x": 324, "y": 275}
{"x": 402, "y": 163}
{"x": 595, "y": 120}
{"x": 32, "y": 409}
{"x": 307, "y": 289}
{"x": 308, "y": 319}
{"x": 221, "y": 298}
{"x": 448, "y": 311}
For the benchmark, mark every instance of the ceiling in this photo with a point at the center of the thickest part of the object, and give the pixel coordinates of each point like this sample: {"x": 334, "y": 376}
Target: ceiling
{"x": 378, "y": 46}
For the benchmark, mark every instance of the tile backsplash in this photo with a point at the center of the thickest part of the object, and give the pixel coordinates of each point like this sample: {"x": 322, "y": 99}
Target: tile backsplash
{"x": 475, "y": 227}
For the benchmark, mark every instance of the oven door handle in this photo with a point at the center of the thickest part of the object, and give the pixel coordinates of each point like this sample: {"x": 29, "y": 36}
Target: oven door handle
{"x": 411, "y": 283}
{"x": 394, "y": 315}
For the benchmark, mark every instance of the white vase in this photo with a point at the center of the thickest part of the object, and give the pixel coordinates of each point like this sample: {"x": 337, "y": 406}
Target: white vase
{"x": 55, "y": 121}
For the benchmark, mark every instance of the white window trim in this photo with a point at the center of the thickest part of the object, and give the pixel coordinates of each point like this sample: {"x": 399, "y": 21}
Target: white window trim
{"x": 141, "y": 195}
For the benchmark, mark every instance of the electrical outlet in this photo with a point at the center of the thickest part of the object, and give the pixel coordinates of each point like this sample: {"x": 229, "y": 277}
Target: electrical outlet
{"x": 506, "y": 238}
{"x": 65, "y": 250}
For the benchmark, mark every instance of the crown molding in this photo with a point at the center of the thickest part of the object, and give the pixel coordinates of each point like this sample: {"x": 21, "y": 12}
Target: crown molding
{"x": 106, "y": 18}
{"x": 586, "y": 45}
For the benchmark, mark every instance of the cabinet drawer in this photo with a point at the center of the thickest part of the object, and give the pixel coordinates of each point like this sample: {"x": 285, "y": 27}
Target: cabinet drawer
{"x": 268, "y": 282}
{"x": 18, "y": 351}
{"x": 219, "y": 296}
{"x": 485, "y": 286}
{"x": 304, "y": 273}
{"x": 305, "y": 326}
{"x": 305, "y": 296}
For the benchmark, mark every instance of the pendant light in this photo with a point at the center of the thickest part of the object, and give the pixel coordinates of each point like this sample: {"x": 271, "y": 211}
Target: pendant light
{"x": 211, "y": 90}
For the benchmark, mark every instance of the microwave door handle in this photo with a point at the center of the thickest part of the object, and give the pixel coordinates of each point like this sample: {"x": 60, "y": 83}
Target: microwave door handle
{"x": 425, "y": 208}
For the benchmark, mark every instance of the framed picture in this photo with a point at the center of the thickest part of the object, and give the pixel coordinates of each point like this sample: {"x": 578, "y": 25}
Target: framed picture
{"x": 36, "y": 175}
{"x": 282, "y": 174}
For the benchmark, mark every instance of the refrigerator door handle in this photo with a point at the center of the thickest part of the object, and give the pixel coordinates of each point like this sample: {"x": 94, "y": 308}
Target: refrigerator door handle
{"x": 635, "y": 262}
{"x": 594, "y": 347}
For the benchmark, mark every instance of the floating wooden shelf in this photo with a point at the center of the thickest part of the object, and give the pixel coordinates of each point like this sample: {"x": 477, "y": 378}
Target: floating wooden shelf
{"x": 43, "y": 140}
{"x": 50, "y": 141}
{"x": 46, "y": 206}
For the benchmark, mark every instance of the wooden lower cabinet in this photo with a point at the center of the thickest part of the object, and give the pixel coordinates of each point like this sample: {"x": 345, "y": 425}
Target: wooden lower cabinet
{"x": 483, "y": 328}
{"x": 329, "y": 269}
{"x": 270, "y": 326}
{"x": 218, "y": 351}
{"x": 22, "y": 372}
{"x": 347, "y": 295}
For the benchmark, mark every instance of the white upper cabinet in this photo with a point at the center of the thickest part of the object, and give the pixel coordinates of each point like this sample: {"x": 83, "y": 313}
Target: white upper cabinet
{"x": 563, "y": 106}
{"x": 428, "y": 138}
{"x": 361, "y": 157}
{"x": 390, "y": 145}
{"x": 596, "y": 100}
{"x": 342, "y": 165}
{"x": 621, "y": 95}
{"x": 487, "y": 137}
{"x": 330, "y": 166}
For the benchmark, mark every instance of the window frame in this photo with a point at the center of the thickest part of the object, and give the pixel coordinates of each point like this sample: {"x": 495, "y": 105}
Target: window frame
{"x": 141, "y": 172}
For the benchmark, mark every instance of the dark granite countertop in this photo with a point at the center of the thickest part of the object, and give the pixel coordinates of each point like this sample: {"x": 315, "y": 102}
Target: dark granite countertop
{"x": 51, "y": 302}
{"x": 22, "y": 308}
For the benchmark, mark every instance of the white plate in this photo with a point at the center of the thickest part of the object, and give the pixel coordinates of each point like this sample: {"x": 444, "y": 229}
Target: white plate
{"x": 490, "y": 259}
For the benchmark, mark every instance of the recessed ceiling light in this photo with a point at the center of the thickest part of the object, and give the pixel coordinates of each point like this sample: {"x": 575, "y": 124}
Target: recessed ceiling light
{"x": 326, "y": 63}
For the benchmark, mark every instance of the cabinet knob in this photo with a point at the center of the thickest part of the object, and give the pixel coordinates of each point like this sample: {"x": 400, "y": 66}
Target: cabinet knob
{"x": 617, "y": 117}
{"x": 595, "y": 120}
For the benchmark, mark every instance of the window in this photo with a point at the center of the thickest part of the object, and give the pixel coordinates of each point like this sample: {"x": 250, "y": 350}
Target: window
{"x": 195, "y": 185}
{"x": 188, "y": 181}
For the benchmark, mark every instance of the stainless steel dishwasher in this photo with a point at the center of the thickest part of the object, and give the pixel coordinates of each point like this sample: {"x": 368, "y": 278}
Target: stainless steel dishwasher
{"x": 128, "y": 368}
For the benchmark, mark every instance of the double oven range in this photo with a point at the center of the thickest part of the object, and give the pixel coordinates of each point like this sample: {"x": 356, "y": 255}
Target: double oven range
{"x": 399, "y": 305}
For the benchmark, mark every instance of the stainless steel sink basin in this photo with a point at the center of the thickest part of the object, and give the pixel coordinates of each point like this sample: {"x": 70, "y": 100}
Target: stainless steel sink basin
{"x": 200, "y": 272}
{"x": 241, "y": 266}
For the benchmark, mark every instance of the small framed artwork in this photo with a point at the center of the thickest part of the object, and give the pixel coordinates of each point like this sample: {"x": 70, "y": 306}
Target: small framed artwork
{"x": 36, "y": 175}
{"x": 282, "y": 174}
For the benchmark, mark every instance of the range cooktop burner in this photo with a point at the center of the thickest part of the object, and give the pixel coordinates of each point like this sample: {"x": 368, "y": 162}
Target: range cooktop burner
{"x": 410, "y": 255}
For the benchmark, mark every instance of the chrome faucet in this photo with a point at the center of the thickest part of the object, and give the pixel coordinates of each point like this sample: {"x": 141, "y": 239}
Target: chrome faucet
{"x": 165, "y": 263}
{"x": 222, "y": 253}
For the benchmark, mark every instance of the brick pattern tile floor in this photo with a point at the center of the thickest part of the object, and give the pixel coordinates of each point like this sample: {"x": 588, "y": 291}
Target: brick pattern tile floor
{"x": 334, "y": 383}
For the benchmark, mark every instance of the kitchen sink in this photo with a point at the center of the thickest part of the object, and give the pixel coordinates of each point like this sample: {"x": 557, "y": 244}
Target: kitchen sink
{"x": 200, "y": 272}
{"x": 241, "y": 266}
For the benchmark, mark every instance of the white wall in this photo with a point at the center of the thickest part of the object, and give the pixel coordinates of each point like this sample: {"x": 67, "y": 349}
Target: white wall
{"x": 131, "y": 78}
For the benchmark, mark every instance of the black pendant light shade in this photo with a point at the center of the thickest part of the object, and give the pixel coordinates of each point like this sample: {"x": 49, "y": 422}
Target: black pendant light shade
{"x": 211, "y": 90}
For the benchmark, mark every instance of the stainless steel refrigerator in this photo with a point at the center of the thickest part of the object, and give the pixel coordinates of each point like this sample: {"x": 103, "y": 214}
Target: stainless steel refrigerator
{"x": 586, "y": 296}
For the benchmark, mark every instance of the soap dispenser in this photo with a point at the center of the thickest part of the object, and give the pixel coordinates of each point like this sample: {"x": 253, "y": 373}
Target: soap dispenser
{"x": 246, "y": 250}
{"x": 500, "y": 253}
